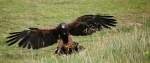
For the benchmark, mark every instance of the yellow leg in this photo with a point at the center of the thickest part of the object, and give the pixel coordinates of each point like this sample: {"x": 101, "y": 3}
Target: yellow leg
{"x": 69, "y": 43}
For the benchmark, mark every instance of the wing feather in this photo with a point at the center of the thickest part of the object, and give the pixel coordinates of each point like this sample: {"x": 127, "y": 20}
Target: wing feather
{"x": 34, "y": 38}
{"x": 89, "y": 24}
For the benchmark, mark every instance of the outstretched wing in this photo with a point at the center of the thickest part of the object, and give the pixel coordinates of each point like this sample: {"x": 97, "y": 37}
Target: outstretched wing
{"x": 89, "y": 24}
{"x": 34, "y": 38}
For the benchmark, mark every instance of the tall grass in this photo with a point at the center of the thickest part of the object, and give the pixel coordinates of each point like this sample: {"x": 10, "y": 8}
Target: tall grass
{"x": 128, "y": 42}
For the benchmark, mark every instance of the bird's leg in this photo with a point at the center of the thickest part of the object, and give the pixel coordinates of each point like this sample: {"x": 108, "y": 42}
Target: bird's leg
{"x": 60, "y": 44}
{"x": 69, "y": 43}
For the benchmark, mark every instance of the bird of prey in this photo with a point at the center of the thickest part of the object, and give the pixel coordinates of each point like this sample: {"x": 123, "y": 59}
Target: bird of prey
{"x": 35, "y": 38}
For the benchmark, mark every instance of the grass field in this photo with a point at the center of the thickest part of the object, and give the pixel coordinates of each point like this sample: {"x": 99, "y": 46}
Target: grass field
{"x": 128, "y": 42}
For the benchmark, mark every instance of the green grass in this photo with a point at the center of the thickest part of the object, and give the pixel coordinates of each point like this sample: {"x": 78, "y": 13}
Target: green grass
{"x": 129, "y": 42}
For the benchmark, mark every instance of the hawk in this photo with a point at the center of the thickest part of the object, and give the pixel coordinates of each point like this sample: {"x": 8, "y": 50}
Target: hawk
{"x": 35, "y": 38}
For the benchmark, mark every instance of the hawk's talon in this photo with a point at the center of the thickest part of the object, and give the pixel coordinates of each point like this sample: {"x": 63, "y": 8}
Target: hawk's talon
{"x": 55, "y": 54}
{"x": 68, "y": 47}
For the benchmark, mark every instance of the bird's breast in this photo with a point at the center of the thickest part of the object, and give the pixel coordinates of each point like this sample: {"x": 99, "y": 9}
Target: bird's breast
{"x": 64, "y": 38}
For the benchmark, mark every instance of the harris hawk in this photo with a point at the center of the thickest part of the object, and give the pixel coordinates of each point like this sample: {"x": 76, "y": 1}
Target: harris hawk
{"x": 35, "y": 38}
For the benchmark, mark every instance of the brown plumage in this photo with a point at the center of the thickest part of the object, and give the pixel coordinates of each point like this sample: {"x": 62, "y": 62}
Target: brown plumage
{"x": 89, "y": 24}
{"x": 82, "y": 26}
{"x": 34, "y": 38}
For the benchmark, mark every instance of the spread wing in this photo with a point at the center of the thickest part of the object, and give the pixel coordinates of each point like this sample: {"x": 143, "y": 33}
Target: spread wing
{"x": 89, "y": 24}
{"x": 34, "y": 38}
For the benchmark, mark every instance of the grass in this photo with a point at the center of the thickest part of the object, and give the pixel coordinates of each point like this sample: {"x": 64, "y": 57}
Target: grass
{"x": 127, "y": 43}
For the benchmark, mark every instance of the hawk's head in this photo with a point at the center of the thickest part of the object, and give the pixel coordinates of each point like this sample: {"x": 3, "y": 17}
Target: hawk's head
{"x": 63, "y": 29}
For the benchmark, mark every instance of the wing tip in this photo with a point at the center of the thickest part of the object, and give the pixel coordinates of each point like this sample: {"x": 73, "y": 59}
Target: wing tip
{"x": 33, "y": 28}
{"x": 14, "y": 32}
